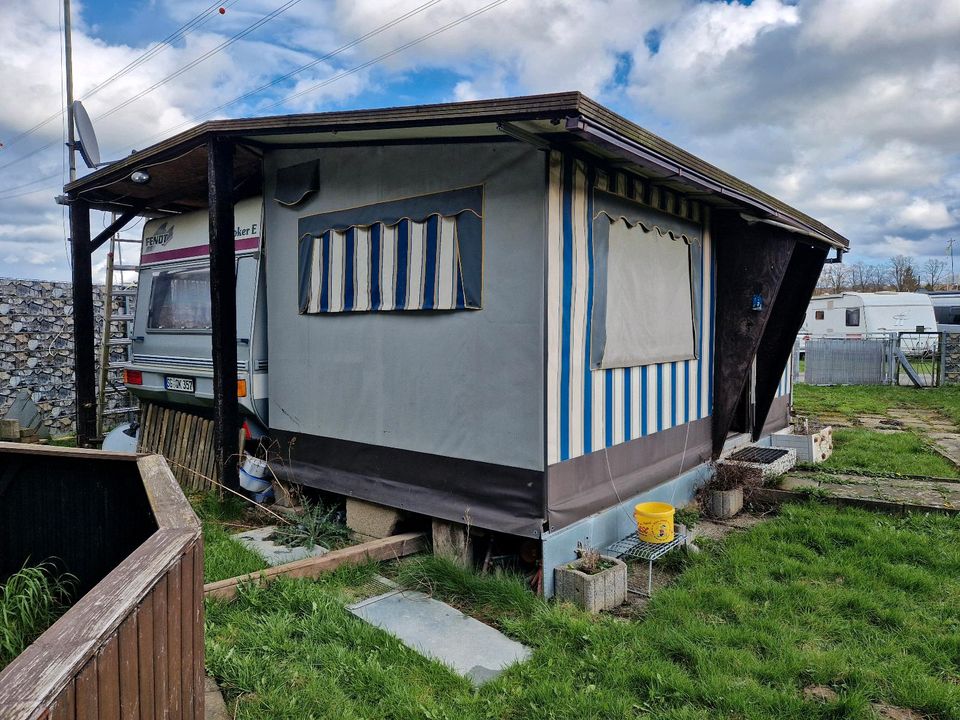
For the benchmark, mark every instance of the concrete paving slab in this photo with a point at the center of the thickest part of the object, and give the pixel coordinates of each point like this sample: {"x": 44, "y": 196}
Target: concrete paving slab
{"x": 273, "y": 553}
{"x": 900, "y": 490}
{"x": 434, "y": 629}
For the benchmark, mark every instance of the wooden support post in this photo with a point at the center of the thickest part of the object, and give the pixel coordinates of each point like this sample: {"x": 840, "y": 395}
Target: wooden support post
{"x": 223, "y": 298}
{"x": 750, "y": 261}
{"x": 789, "y": 309}
{"x": 83, "y": 330}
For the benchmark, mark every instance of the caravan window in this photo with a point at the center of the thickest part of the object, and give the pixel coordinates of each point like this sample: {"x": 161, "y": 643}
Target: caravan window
{"x": 647, "y": 267}
{"x": 180, "y": 300}
{"x": 818, "y": 314}
{"x": 853, "y": 317}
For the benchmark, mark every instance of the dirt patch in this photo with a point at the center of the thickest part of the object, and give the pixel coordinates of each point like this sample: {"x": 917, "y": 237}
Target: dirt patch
{"x": 719, "y": 529}
{"x": 819, "y": 693}
{"x": 892, "y": 712}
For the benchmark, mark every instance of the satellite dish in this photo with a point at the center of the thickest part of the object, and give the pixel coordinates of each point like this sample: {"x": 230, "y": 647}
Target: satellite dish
{"x": 86, "y": 138}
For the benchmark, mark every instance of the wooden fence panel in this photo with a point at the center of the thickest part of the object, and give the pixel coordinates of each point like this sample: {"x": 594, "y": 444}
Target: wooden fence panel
{"x": 184, "y": 439}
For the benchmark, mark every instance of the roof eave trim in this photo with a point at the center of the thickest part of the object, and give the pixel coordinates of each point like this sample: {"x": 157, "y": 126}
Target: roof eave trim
{"x": 597, "y": 133}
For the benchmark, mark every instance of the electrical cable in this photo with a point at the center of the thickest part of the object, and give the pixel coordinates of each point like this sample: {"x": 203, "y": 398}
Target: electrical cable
{"x": 286, "y": 76}
{"x": 196, "y": 61}
{"x": 179, "y": 33}
{"x": 384, "y": 56}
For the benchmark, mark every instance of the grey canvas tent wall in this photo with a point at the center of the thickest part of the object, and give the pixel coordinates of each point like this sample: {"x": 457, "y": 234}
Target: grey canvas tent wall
{"x": 516, "y": 394}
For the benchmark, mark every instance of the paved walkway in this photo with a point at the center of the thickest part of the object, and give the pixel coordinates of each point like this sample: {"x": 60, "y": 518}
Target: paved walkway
{"x": 902, "y": 491}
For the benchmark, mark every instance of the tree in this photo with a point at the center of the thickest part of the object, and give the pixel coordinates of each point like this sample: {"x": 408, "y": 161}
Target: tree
{"x": 833, "y": 278}
{"x": 879, "y": 277}
{"x": 860, "y": 276}
{"x": 934, "y": 270}
{"x": 903, "y": 272}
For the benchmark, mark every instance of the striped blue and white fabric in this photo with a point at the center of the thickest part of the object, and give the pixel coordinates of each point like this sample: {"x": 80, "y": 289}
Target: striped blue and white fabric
{"x": 406, "y": 266}
{"x": 589, "y": 409}
{"x": 375, "y": 259}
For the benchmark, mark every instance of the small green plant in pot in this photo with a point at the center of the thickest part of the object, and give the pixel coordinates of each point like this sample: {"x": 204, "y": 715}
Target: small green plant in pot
{"x": 722, "y": 495}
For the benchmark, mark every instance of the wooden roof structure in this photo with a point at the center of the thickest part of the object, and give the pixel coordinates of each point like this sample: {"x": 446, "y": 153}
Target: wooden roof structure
{"x": 177, "y": 166}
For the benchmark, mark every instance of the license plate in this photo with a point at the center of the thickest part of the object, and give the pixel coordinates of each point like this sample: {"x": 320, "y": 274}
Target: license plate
{"x": 180, "y": 384}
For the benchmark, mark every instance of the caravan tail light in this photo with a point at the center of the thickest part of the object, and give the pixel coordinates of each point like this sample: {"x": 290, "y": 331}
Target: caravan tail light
{"x": 133, "y": 377}
{"x": 247, "y": 435}
{"x": 241, "y": 388}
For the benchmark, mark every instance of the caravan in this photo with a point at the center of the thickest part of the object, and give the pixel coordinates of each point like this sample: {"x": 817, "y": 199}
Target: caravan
{"x": 859, "y": 315}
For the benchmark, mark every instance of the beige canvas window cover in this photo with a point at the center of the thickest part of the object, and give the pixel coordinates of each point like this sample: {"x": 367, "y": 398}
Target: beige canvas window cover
{"x": 649, "y": 303}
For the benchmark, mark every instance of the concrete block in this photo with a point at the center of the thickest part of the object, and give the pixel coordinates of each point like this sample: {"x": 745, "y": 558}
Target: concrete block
{"x": 273, "y": 553}
{"x": 371, "y": 521}
{"x": 724, "y": 503}
{"x": 440, "y": 632}
{"x": 601, "y": 591}
{"x": 452, "y": 541}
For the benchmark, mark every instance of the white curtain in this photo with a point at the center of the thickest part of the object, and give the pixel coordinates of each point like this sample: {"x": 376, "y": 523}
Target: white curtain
{"x": 649, "y": 300}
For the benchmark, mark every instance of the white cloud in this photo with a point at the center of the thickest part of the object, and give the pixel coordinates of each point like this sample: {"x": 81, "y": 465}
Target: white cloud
{"x": 926, "y": 215}
{"x": 847, "y": 109}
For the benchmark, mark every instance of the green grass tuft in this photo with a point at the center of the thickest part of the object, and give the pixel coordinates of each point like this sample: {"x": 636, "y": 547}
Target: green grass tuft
{"x": 223, "y": 557}
{"x": 30, "y": 601}
{"x": 900, "y": 453}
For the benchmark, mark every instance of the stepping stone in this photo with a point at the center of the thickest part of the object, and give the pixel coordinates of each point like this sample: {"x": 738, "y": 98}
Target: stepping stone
{"x": 273, "y": 553}
{"x": 476, "y": 651}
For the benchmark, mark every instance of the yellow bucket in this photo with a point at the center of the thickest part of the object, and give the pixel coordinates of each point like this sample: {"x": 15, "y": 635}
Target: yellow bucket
{"x": 654, "y": 522}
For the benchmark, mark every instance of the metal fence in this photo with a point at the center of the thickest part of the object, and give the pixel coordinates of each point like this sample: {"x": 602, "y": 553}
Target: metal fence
{"x": 908, "y": 358}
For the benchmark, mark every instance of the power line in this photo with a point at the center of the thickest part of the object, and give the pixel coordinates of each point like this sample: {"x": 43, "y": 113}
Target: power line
{"x": 313, "y": 63}
{"x": 177, "y": 34}
{"x": 386, "y": 55}
{"x": 240, "y": 35}
{"x": 32, "y": 182}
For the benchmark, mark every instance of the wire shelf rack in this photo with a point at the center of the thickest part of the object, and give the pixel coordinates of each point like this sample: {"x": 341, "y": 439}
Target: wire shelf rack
{"x": 632, "y": 547}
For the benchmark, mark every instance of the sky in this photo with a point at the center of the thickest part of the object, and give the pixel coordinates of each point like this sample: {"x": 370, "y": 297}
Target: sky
{"x": 847, "y": 109}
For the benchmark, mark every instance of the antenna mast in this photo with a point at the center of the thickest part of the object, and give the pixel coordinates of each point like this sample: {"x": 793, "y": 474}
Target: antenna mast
{"x": 68, "y": 54}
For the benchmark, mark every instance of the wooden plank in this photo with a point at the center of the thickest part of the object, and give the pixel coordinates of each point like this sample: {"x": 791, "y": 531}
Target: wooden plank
{"x": 86, "y": 688}
{"x": 67, "y": 452}
{"x": 129, "y": 668}
{"x": 192, "y": 445}
{"x": 108, "y": 680}
{"x": 144, "y": 441}
{"x": 39, "y": 673}
{"x": 174, "y": 643}
{"x": 186, "y": 635}
{"x": 160, "y": 691}
{"x": 390, "y": 548}
{"x": 199, "y": 666}
{"x": 145, "y": 656}
{"x": 211, "y": 458}
{"x": 202, "y": 454}
{"x": 166, "y": 499}
{"x": 65, "y": 706}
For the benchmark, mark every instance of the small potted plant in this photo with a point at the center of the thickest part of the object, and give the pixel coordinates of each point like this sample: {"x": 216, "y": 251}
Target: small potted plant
{"x": 593, "y": 582}
{"x": 722, "y": 495}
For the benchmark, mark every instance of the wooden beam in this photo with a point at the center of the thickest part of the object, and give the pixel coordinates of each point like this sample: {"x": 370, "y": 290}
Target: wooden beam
{"x": 83, "y": 329}
{"x": 115, "y": 227}
{"x": 223, "y": 298}
{"x": 390, "y": 548}
{"x": 789, "y": 309}
{"x": 749, "y": 261}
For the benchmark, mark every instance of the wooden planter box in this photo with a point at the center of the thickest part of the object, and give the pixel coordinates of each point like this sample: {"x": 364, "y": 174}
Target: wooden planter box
{"x": 724, "y": 504}
{"x": 601, "y": 591}
{"x": 132, "y": 645}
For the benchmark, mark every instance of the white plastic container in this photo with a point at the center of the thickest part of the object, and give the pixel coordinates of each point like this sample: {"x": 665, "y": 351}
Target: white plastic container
{"x": 252, "y": 484}
{"x": 254, "y": 466}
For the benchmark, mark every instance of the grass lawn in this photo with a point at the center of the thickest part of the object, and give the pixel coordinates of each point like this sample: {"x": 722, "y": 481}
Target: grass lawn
{"x": 223, "y": 556}
{"x": 902, "y": 453}
{"x": 852, "y": 401}
{"x": 862, "y": 603}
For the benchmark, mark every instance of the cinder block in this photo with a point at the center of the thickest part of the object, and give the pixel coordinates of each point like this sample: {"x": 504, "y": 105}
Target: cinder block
{"x": 371, "y": 521}
{"x": 602, "y": 591}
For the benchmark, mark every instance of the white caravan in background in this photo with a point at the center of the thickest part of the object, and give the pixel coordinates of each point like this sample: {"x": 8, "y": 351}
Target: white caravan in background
{"x": 860, "y": 315}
